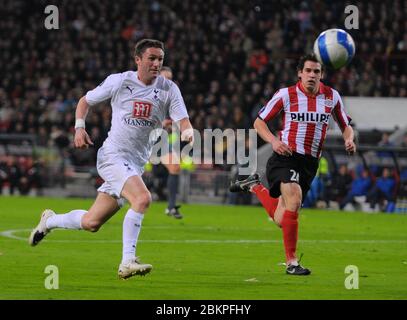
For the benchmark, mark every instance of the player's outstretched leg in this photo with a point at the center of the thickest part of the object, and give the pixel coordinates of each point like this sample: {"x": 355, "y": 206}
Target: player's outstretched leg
{"x": 102, "y": 210}
{"x": 244, "y": 185}
{"x": 41, "y": 230}
{"x": 252, "y": 184}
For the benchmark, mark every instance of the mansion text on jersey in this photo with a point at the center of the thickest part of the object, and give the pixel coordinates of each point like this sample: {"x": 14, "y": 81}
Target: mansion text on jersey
{"x": 138, "y": 122}
{"x": 310, "y": 117}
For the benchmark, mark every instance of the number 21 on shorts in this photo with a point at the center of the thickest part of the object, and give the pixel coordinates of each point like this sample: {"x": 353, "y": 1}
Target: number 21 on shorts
{"x": 295, "y": 176}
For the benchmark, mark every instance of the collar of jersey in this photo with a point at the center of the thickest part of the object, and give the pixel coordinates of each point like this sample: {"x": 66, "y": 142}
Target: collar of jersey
{"x": 142, "y": 83}
{"x": 301, "y": 88}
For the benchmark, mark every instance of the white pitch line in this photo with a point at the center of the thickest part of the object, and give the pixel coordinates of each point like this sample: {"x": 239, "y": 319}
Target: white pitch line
{"x": 10, "y": 234}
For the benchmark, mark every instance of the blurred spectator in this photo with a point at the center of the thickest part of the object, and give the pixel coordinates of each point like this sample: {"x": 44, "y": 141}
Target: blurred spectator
{"x": 258, "y": 60}
{"x": 339, "y": 185}
{"x": 35, "y": 175}
{"x": 360, "y": 187}
{"x": 13, "y": 174}
{"x": 20, "y": 175}
{"x": 403, "y": 144}
{"x": 317, "y": 190}
{"x": 240, "y": 120}
{"x": 385, "y": 142}
{"x": 382, "y": 190}
{"x": 3, "y": 174}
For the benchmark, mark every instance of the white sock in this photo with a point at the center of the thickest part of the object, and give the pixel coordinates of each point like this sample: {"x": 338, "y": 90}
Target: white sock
{"x": 131, "y": 230}
{"x": 292, "y": 263}
{"x": 70, "y": 220}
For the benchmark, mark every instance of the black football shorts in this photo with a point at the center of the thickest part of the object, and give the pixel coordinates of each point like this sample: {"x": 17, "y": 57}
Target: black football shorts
{"x": 296, "y": 168}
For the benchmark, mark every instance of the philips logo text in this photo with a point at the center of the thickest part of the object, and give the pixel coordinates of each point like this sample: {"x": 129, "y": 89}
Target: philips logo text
{"x": 309, "y": 117}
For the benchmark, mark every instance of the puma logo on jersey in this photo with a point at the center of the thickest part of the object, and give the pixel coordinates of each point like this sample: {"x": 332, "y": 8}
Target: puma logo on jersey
{"x": 130, "y": 89}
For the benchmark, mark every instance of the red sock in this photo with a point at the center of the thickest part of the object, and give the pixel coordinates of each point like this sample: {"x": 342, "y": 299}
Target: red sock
{"x": 269, "y": 203}
{"x": 289, "y": 225}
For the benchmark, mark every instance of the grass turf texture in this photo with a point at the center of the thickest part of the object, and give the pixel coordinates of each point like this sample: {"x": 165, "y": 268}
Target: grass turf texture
{"x": 215, "y": 252}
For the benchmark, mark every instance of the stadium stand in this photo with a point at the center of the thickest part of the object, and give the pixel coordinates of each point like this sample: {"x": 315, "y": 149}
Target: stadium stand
{"x": 228, "y": 58}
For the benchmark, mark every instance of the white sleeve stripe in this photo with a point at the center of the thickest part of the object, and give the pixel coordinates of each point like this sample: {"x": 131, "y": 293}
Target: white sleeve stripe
{"x": 273, "y": 106}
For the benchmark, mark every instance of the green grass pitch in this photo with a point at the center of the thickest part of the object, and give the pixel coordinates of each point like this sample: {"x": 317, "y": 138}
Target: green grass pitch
{"x": 215, "y": 252}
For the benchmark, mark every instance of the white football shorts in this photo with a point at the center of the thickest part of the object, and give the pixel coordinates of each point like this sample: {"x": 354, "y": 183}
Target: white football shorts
{"x": 115, "y": 169}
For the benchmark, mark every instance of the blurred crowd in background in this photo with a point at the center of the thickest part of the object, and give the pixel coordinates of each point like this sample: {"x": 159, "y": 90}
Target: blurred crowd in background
{"x": 228, "y": 57}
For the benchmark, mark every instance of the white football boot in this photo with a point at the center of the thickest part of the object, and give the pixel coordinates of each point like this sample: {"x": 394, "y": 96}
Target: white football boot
{"x": 40, "y": 231}
{"x": 133, "y": 268}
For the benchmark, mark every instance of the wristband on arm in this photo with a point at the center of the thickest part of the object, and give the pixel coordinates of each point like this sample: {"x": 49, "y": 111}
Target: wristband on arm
{"x": 79, "y": 123}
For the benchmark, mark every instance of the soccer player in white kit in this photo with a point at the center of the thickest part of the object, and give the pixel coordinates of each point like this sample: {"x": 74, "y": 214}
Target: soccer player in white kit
{"x": 140, "y": 101}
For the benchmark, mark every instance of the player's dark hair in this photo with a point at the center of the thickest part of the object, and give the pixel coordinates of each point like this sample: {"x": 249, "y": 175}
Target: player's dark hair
{"x": 144, "y": 44}
{"x": 308, "y": 57}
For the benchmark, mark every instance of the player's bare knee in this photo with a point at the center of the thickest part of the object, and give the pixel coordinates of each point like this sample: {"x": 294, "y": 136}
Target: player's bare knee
{"x": 141, "y": 202}
{"x": 145, "y": 200}
{"x": 91, "y": 225}
{"x": 293, "y": 203}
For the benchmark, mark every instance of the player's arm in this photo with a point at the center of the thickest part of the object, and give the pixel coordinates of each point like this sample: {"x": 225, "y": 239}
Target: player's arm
{"x": 102, "y": 92}
{"x": 349, "y": 137}
{"x": 187, "y": 132}
{"x": 343, "y": 122}
{"x": 82, "y": 139}
{"x": 267, "y": 113}
{"x": 263, "y": 131}
{"x": 178, "y": 113}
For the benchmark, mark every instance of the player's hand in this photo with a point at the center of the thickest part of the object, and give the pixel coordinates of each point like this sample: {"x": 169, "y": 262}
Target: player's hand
{"x": 167, "y": 123}
{"x": 82, "y": 139}
{"x": 350, "y": 146}
{"x": 281, "y": 148}
{"x": 188, "y": 135}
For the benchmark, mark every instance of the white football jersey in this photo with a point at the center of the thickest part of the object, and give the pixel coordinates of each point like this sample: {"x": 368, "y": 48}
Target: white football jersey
{"x": 137, "y": 109}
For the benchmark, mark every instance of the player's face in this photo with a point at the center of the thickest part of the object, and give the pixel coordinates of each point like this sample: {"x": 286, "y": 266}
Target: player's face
{"x": 149, "y": 64}
{"x": 311, "y": 76}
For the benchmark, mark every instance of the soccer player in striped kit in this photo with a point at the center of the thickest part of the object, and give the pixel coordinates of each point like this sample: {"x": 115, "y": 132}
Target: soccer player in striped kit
{"x": 140, "y": 102}
{"x": 306, "y": 108}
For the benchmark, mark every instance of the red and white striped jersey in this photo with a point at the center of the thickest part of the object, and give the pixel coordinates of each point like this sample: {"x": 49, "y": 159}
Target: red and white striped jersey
{"x": 305, "y": 117}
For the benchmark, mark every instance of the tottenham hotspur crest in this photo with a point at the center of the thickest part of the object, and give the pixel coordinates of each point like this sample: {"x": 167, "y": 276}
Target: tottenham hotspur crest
{"x": 156, "y": 92}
